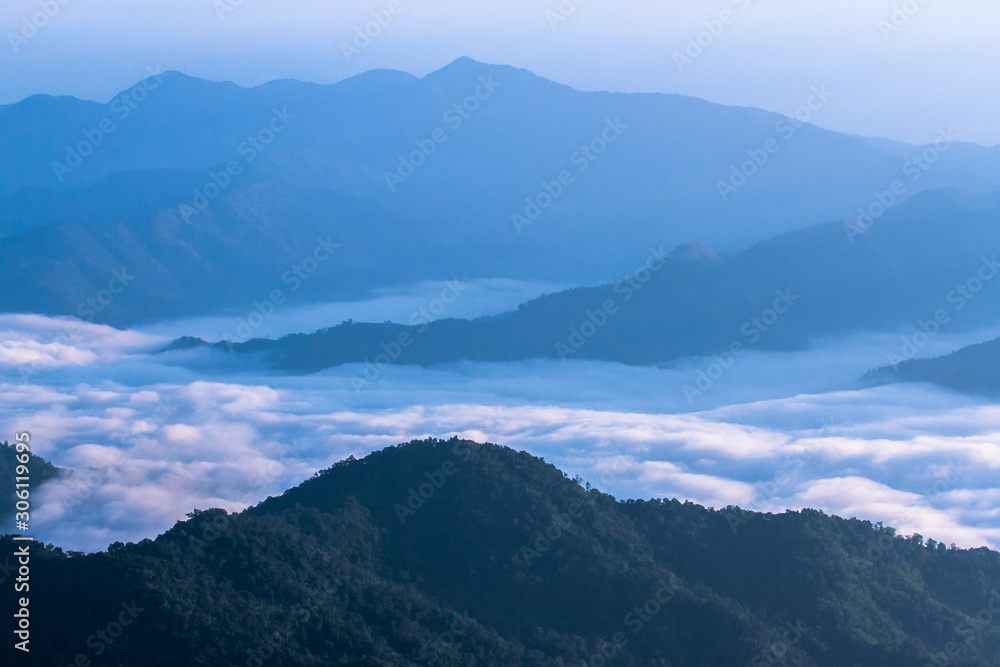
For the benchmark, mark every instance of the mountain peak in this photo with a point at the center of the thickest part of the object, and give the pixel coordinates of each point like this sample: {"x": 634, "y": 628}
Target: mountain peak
{"x": 179, "y": 83}
{"x": 375, "y": 82}
{"x": 465, "y": 61}
{"x": 462, "y": 72}
{"x": 695, "y": 251}
{"x": 467, "y": 64}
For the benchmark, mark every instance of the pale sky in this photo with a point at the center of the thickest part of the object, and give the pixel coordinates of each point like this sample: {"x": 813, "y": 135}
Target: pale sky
{"x": 934, "y": 66}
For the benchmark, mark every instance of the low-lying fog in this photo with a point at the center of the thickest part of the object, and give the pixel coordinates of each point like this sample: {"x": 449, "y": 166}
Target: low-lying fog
{"x": 150, "y": 437}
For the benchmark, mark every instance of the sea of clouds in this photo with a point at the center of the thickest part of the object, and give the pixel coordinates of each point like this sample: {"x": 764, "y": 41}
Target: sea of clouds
{"x": 147, "y": 437}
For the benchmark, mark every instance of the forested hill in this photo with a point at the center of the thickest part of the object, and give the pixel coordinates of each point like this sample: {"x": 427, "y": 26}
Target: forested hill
{"x": 457, "y": 553}
{"x": 974, "y": 369}
{"x": 39, "y": 472}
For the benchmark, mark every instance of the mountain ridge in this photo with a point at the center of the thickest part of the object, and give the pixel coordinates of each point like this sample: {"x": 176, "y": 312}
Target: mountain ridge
{"x": 973, "y": 369}
{"x": 350, "y": 568}
{"x": 830, "y": 279}
{"x": 302, "y": 161}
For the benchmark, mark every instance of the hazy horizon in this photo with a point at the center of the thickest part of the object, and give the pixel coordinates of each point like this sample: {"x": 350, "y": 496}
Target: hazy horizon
{"x": 788, "y": 112}
{"x": 764, "y": 55}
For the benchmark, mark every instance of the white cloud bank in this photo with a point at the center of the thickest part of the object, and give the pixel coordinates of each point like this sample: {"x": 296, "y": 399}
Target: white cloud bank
{"x": 148, "y": 442}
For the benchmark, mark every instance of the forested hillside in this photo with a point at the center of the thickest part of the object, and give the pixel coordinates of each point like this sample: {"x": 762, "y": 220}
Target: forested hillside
{"x": 457, "y": 553}
{"x": 40, "y": 471}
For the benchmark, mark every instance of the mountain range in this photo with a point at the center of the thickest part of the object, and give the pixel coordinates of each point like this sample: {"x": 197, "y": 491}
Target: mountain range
{"x": 215, "y": 196}
{"x": 934, "y": 254}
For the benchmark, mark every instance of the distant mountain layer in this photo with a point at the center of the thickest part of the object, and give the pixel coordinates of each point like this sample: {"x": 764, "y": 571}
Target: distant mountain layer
{"x": 456, "y": 553}
{"x": 830, "y": 279}
{"x": 973, "y": 369}
{"x": 215, "y": 196}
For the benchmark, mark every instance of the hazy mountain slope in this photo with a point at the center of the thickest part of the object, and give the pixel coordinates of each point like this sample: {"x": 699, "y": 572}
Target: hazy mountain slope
{"x": 340, "y": 570}
{"x": 237, "y": 253}
{"x": 133, "y": 196}
{"x": 323, "y": 170}
{"x": 827, "y": 279}
{"x": 975, "y": 368}
{"x": 973, "y": 160}
{"x": 166, "y": 121}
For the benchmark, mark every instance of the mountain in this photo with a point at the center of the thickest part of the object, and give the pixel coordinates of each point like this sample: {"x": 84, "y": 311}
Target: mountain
{"x": 972, "y": 369}
{"x": 456, "y": 553}
{"x": 39, "y": 472}
{"x": 831, "y": 279}
{"x": 209, "y": 193}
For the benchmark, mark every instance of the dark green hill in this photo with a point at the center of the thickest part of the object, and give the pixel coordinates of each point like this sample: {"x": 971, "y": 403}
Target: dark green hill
{"x": 456, "y": 553}
{"x": 40, "y": 471}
